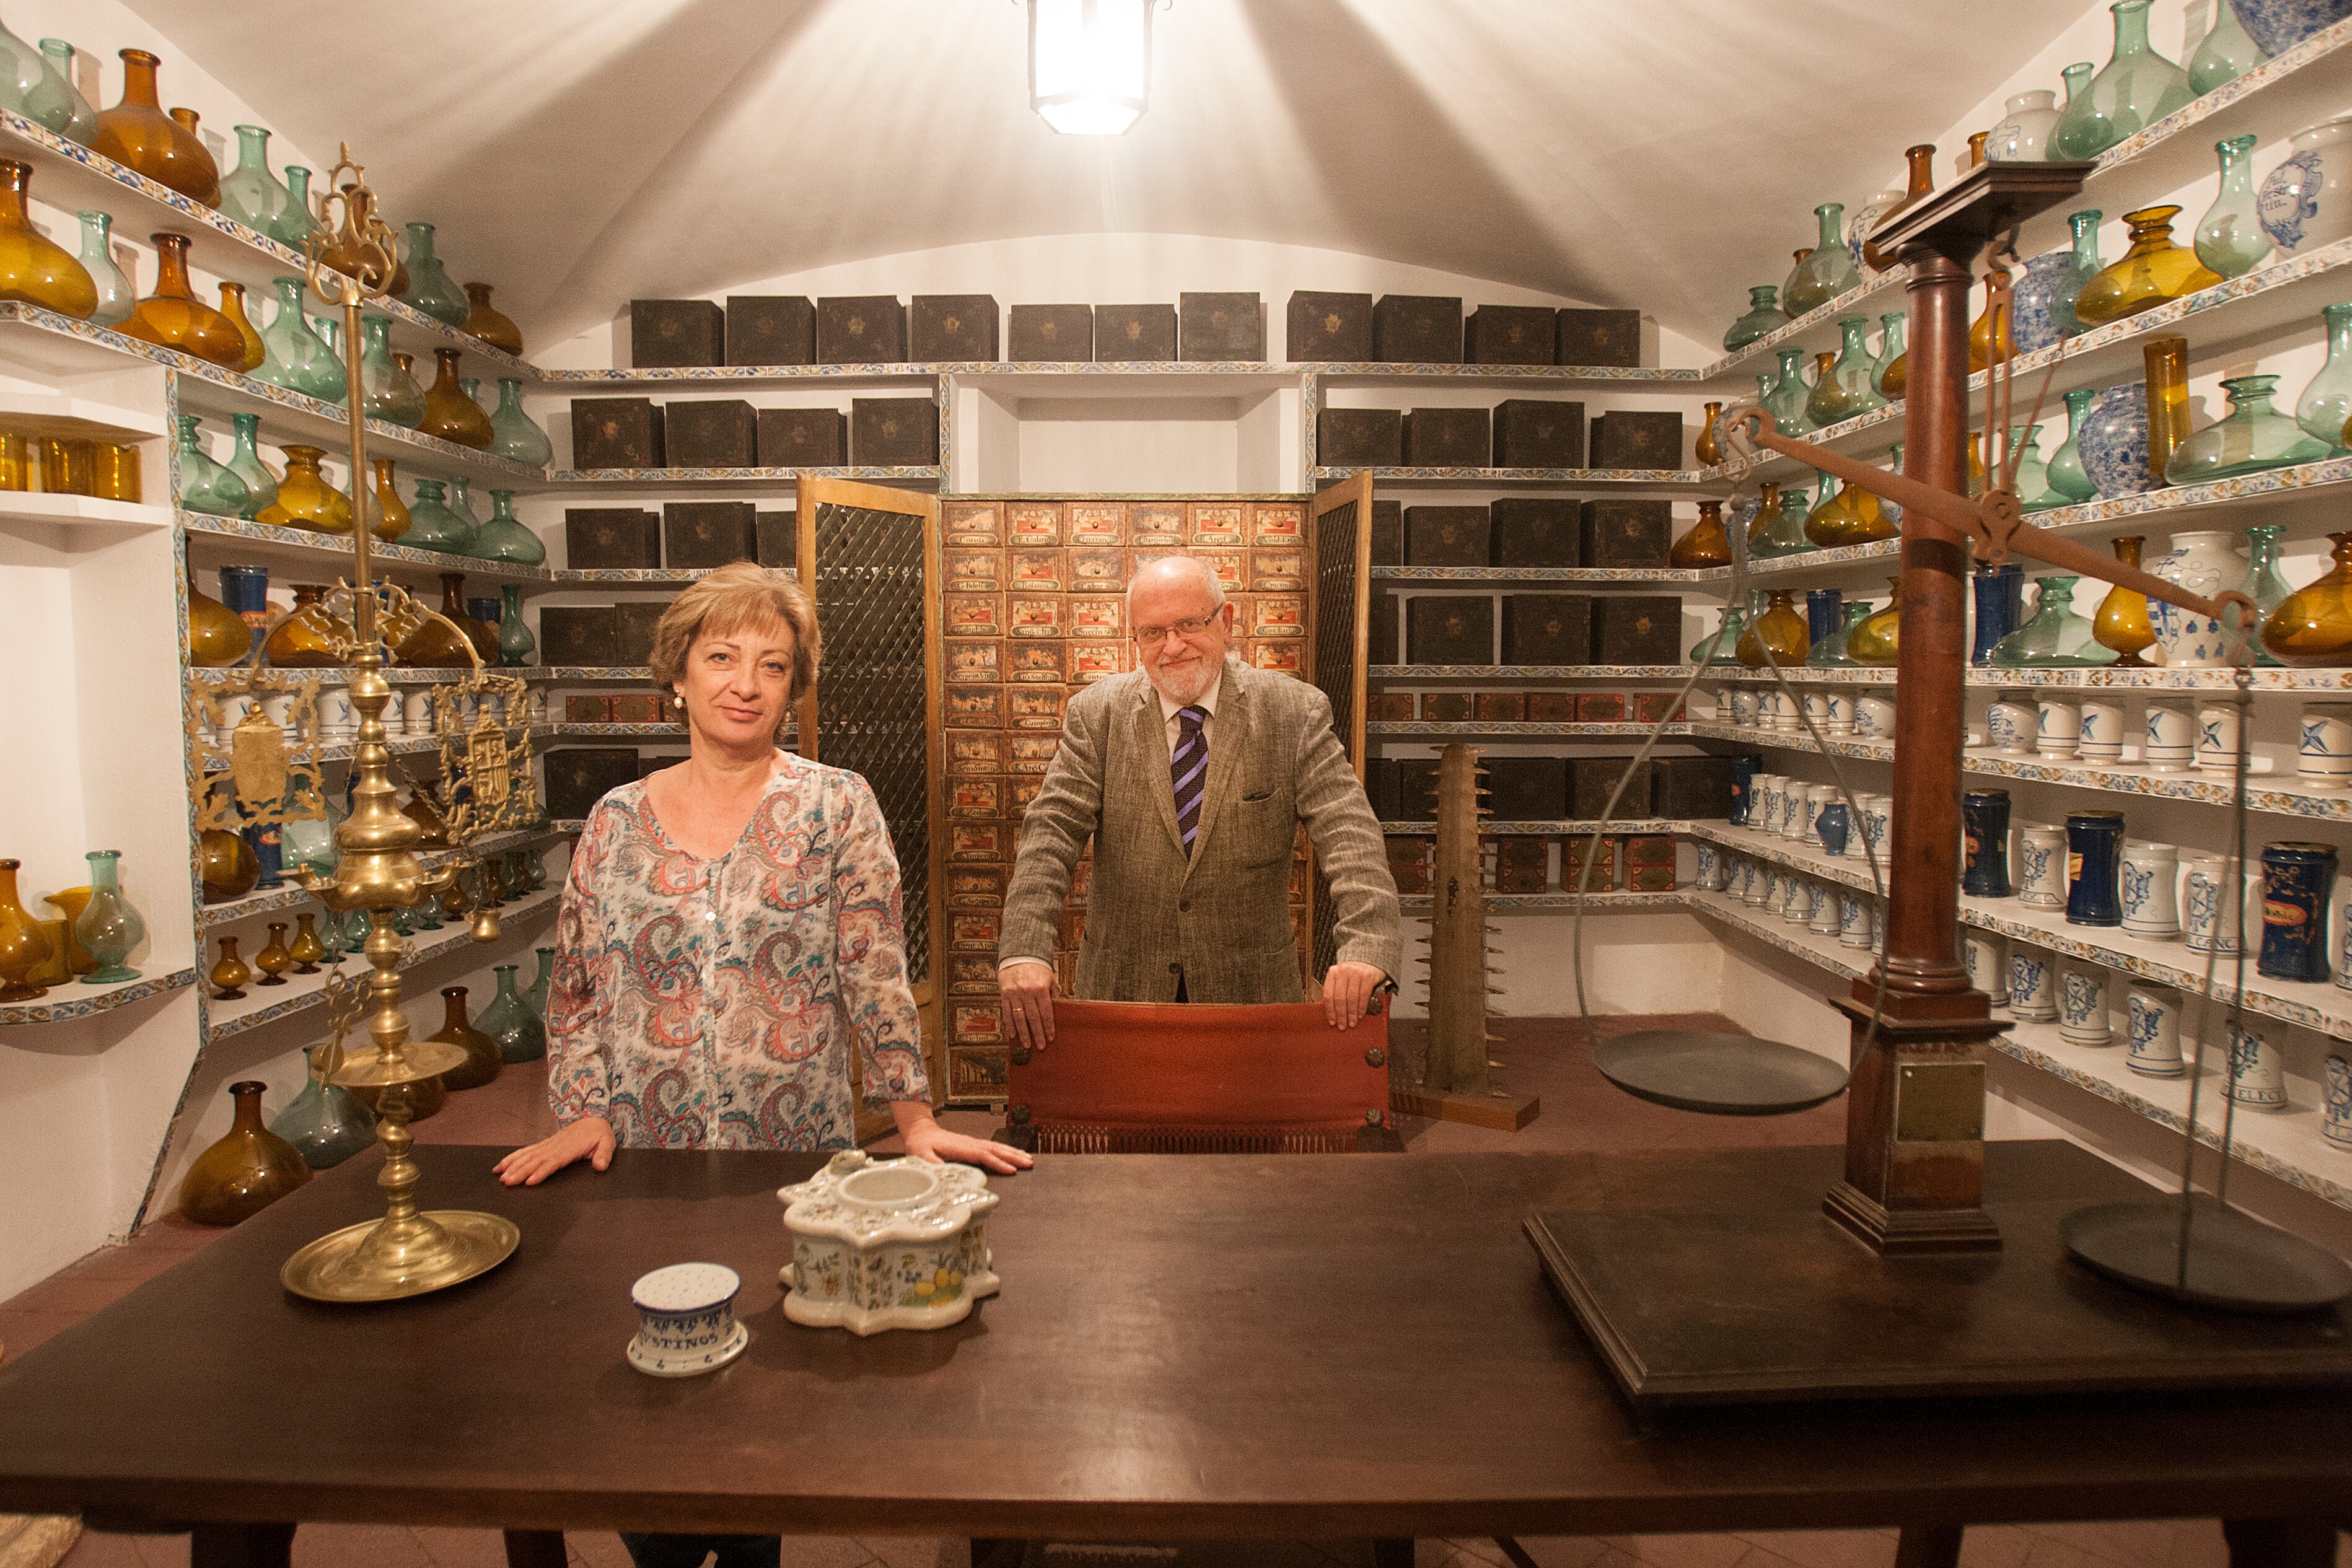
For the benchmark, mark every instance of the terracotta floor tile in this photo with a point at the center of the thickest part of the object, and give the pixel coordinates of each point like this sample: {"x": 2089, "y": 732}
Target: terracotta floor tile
{"x": 1995, "y": 1547}
{"x": 597, "y": 1548}
{"x": 358, "y": 1546}
{"x": 21, "y": 1330}
{"x": 163, "y": 1551}
{"x": 1564, "y": 1550}
{"x": 448, "y": 1548}
{"x": 825, "y": 1551}
{"x": 1682, "y": 1550}
{"x": 1825, "y": 1547}
{"x": 72, "y": 1292}
{"x": 920, "y": 1550}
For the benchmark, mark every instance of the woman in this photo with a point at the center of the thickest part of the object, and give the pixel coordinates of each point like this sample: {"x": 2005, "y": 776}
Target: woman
{"x": 729, "y": 933}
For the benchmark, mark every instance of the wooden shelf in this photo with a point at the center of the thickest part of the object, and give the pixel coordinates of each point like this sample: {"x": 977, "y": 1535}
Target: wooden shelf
{"x": 1435, "y": 729}
{"x": 76, "y": 1001}
{"x": 31, "y": 412}
{"x": 1506, "y": 576}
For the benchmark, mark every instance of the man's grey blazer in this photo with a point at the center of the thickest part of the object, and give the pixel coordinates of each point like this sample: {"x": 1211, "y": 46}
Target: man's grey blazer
{"x": 1223, "y": 916}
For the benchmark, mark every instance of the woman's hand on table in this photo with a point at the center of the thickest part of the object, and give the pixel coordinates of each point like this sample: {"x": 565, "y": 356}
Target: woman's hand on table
{"x": 925, "y": 1139}
{"x": 590, "y": 1137}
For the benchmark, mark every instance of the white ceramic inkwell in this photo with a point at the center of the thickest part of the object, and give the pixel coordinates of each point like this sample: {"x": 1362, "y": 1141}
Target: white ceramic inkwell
{"x": 687, "y": 1319}
{"x": 886, "y": 1244}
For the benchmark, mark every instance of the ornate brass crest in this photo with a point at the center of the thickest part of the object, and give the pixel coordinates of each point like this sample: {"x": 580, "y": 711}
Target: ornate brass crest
{"x": 272, "y": 779}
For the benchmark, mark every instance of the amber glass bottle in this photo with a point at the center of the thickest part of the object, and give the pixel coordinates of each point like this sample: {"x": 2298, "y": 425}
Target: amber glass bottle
{"x": 1705, "y": 544}
{"x": 226, "y": 864}
{"x": 421, "y": 643}
{"x": 2313, "y": 626}
{"x": 309, "y": 637}
{"x": 217, "y": 635}
{"x": 1982, "y": 348}
{"x": 489, "y": 324}
{"x": 230, "y": 973}
{"x": 1707, "y": 449}
{"x": 388, "y": 517}
{"x": 2151, "y": 272}
{"x": 138, "y": 134}
{"x": 245, "y": 1173}
{"x": 232, "y": 296}
{"x": 33, "y": 267}
{"x": 449, "y": 413}
{"x": 305, "y": 500}
{"x": 174, "y": 317}
{"x": 1780, "y": 629}
{"x": 1878, "y": 639}
{"x": 2122, "y": 622}
{"x": 482, "y": 1059}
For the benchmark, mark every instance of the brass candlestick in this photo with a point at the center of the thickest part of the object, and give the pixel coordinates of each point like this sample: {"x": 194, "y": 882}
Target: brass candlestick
{"x": 407, "y": 1252}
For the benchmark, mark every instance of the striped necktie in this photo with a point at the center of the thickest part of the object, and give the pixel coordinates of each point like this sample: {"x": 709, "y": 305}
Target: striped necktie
{"x": 1188, "y": 768}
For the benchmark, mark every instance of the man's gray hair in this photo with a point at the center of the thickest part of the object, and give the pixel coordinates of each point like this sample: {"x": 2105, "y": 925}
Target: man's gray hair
{"x": 1193, "y": 567}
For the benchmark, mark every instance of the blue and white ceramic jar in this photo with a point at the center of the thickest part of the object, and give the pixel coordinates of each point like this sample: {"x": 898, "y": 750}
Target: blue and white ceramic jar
{"x": 2095, "y": 844}
{"x": 2278, "y": 26}
{"x": 2152, "y": 1027}
{"x": 2323, "y": 758}
{"x": 2033, "y": 984}
{"x": 2336, "y": 1100}
{"x": 2209, "y": 905}
{"x": 2044, "y": 299}
{"x": 2304, "y": 201}
{"x": 2257, "y": 1069}
{"x": 2023, "y": 134}
{"x": 2169, "y": 744}
{"x": 1985, "y": 956}
{"x": 2204, "y": 562}
{"x": 1857, "y": 918}
{"x": 2151, "y": 878}
{"x": 2083, "y": 1005}
{"x": 1705, "y": 867}
{"x": 2113, "y": 442}
{"x": 1877, "y": 820}
{"x": 2041, "y": 867}
{"x": 2013, "y": 723}
{"x": 1831, "y": 825}
{"x": 2298, "y": 879}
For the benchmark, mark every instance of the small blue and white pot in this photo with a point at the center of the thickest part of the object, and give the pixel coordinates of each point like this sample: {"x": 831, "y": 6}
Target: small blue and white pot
{"x": 2257, "y": 1070}
{"x": 2278, "y": 26}
{"x": 2152, "y": 1025}
{"x": 2113, "y": 442}
{"x": 1857, "y": 918}
{"x": 2304, "y": 202}
{"x": 2324, "y": 758}
{"x": 686, "y": 1319}
{"x": 2151, "y": 881}
{"x": 1985, "y": 954}
{"x": 2335, "y": 1100}
{"x": 2033, "y": 985}
{"x": 1708, "y": 869}
{"x": 2083, "y": 1005}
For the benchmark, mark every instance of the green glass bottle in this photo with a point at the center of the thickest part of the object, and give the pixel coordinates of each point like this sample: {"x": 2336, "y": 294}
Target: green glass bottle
{"x": 2065, "y": 475}
{"x": 2252, "y": 437}
{"x": 520, "y": 1036}
{"x": 2226, "y": 54}
{"x": 2085, "y": 266}
{"x": 1847, "y": 391}
{"x": 2264, "y": 584}
{"x": 2230, "y": 237}
{"x": 1782, "y": 532}
{"x": 431, "y": 524}
{"x": 2326, "y": 401}
{"x": 513, "y": 433}
{"x": 293, "y": 357}
{"x": 249, "y": 192}
{"x": 461, "y": 501}
{"x": 516, "y": 644}
{"x": 1787, "y": 398}
{"x": 391, "y": 393}
{"x": 206, "y": 485}
{"x": 2032, "y": 474}
{"x": 504, "y": 537}
{"x": 1890, "y": 350}
{"x": 57, "y": 103}
{"x": 536, "y": 998}
{"x": 429, "y": 288}
{"x": 116, "y": 298}
{"x": 1764, "y": 318}
{"x": 245, "y": 461}
{"x": 1830, "y": 652}
{"x": 108, "y": 928}
{"x": 295, "y": 223}
{"x": 2139, "y": 88}
{"x": 1827, "y": 271}
{"x": 2055, "y": 637}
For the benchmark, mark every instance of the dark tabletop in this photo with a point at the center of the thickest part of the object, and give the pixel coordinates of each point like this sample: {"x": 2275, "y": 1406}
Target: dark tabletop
{"x": 1185, "y": 1345}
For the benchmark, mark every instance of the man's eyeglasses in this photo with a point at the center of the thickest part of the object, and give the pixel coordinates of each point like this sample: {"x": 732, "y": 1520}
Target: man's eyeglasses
{"x": 1188, "y": 628}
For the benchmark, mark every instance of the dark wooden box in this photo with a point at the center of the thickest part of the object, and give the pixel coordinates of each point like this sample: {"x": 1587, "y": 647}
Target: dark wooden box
{"x": 894, "y": 432}
{"x": 1628, "y": 533}
{"x": 580, "y": 709}
{"x": 640, "y": 707}
{"x": 1417, "y": 330}
{"x": 1388, "y": 707}
{"x": 1648, "y": 849}
{"x": 1220, "y": 327}
{"x": 1446, "y": 536}
{"x": 576, "y": 634}
{"x": 1536, "y": 531}
{"x": 611, "y": 538}
{"x": 710, "y": 433}
{"x": 1385, "y": 615}
{"x": 1446, "y": 708}
{"x": 1611, "y": 337}
{"x": 1381, "y": 788}
{"x": 1526, "y": 788}
{"x": 616, "y": 433}
{"x": 1131, "y": 332}
{"x": 1328, "y": 328}
{"x": 1509, "y": 335}
{"x": 777, "y": 538}
{"x": 667, "y": 333}
{"x": 1053, "y": 334}
{"x": 1450, "y": 629}
{"x": 1591, "y": 779}
{"x": 1551, "y": 708}
{"x": 1651, "y": 707}
{"x": 1522, "y": 864}
{"x": 1649, "y": 878}
{"x": 704, "y": 534}
{"x": 771, "y": 330}
{"x": 1416, "y": 789}
{"x": 1409, "y": 861}
{"x": 802, "y": 437}
{"x": 1547, "y": 628}
{"x": 1574, "y": 849}
{"x": 951, "y": 328}
{"x": 1601, "y": 708}
{"x": 633, "y": 634}
{"x": 1538, "y": 432}
{"x": 861, "y": 329}
{"x": 1448, "y": 438}
{"x": 1500, "y": 708}
{"x": 1388, "y": 533}
{"x": 578, "y": 778}
{"x": 1637, "y": 629}
{"x": 1690, "y": 788}
{"x": 1359, "y": 438}
{"x": 1630, "y": 438}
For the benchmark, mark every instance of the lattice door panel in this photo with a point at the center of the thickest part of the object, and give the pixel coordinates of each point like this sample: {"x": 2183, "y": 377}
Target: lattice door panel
{"x": 1340, "y": 615}
{"x": 872, "y": 711}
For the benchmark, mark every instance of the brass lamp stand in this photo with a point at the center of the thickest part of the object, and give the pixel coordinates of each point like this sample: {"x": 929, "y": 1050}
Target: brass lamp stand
{"x": 409, "y": 1251}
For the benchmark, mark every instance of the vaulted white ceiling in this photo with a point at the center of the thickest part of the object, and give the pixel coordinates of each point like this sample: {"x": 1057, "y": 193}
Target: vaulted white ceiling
{"x": 1658, "y": 154}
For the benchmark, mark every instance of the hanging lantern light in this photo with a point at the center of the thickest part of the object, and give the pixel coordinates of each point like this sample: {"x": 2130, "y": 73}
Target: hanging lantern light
{"x": 1091, "y": 64}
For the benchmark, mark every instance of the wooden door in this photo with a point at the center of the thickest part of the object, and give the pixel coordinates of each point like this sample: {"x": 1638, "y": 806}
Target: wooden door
{"x": 1338, "y": 648}
{"x": 870, "y": 558}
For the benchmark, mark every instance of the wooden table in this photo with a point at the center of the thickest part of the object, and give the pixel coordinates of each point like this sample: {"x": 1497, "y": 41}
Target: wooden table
{"x": 1185, "y": 1346}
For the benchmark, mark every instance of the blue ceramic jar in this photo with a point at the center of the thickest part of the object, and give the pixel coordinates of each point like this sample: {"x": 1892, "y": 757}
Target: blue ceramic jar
{"x": 2001, "y": 607}
{"x": 2094, "y": 857}
{"x": 2113, "y": 442}
{"x": 2297, "y": 879}
{"x": 1984, "y": 822}
{"x": 2042, "y": 301}
{"x": 1744, "y": 766}
{"x": 2278, "y": 26}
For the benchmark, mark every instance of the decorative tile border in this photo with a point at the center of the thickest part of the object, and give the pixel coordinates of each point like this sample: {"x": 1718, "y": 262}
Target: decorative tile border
{"x": 398, "y": 678}
{"x": 1468, "y": 728}
{"x": 1527, "y": 671}
{"x": 285, "y": 259}
{"x": 1846, "y": 963}
{"x": 1993, "y": 678}
{"x": 1504, "y": 903}
{"x": 621, "y": 731}
{"x": 1665, "y": 478}
{"x": 1540, "y": 829}
{"x": 604, "y": 673}
{"x": 308, "y": 991}
{"x": 294, "y": 898}
{"x": 340, "y": 545}
{"x": 398, "y": 745}
{"x": 1505, "y": 575}
{"x": 76, "y": 1001}
{"x": 675, "y": 375}
{"x": 934, "y": 472}
{"x": 1378, "y": 371}
{"x": 652, "y": 575}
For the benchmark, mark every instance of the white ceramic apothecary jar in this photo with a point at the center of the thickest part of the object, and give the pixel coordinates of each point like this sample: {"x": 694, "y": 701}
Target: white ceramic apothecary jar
{"x": 2203, "y": 562}
{"x": 886, "y": 1244}
{"x": 2305, "y": 202}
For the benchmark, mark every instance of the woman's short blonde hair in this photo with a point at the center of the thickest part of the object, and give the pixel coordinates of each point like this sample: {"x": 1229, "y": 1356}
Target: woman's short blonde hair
{"x": 729, "y": 600}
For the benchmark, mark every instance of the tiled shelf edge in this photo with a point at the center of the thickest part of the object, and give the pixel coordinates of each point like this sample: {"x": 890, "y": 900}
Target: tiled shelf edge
{"x": 398, "y": 676}
{"x": 734, "y": 475}
{"x": 649, "y": 576}
{"x": 1527, "y": 671}
{"x": 2270, "y": 794}
{"x": 76, "y": 1001}
{"x": 294, "y": 898}
{"x": 2313, "y": 1004}
{"x": 596, "y": 672}
{"x": 379, "y": 550}
{"x": 1671, "y": 478}
{"x": 342, "y": 752}
{"x": 2101, "y": 1070}
{"x": 265, "y": 249}
{"x": 255, "y": 1009}
{"x": 1406, "y": 729}
{"x": 1509, "y": 903}
{"x": 1488, "y": 829}
{"x": 1985, "y": 677}
{"x": 1505, "y": 575}
{"x": 1349, "y": 370}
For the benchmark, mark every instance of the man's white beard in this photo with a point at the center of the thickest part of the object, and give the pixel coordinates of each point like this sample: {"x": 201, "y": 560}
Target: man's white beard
{"x": 1190, "y": 683}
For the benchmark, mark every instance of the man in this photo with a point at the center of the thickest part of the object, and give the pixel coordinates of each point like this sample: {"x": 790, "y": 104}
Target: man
{"x": 1190, "y": 775}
